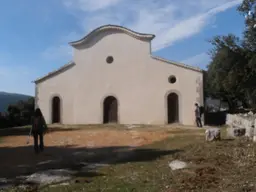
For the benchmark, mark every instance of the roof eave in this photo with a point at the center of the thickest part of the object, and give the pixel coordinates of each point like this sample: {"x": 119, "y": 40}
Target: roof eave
{"x": 53, "y": 73}
{"x": 197, "y": 69}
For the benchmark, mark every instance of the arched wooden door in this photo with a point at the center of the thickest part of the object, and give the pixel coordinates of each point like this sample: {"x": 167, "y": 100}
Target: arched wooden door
{"x": 56, "y": 104}
{"x": 173, "y": 108}
{"x": 110, "y": 110}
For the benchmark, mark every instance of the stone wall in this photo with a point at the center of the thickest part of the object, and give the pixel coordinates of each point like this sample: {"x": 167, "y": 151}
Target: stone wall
{"x": 241, "y": 124}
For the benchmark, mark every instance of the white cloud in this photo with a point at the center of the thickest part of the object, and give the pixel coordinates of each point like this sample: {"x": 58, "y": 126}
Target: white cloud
{"x": 13, "y": 72}
{"x": 63, "y": 51}
{"x": 72, "y": 36}
{"x": 8, "y": 69}
{"x": 169, "y": 20}
{"x": 90, "y": 5}
{"x": 201, "y": 60}
{"x": 14, "y": 76}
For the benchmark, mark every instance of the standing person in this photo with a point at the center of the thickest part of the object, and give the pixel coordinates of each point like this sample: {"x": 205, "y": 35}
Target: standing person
{"x": 198, "y": 116}
{"x": 39, "y": 127}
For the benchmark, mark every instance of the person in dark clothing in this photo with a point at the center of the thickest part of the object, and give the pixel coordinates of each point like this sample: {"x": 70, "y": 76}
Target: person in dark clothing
{"x": 198, "y": 116}
{"x": 39, "y": 127}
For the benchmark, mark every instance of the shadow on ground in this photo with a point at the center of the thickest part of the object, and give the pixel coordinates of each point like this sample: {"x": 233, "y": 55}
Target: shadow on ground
{"x": 21, "y": 161}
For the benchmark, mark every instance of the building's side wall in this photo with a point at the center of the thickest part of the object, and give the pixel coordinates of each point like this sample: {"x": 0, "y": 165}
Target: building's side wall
{"x": 60, "y": 85}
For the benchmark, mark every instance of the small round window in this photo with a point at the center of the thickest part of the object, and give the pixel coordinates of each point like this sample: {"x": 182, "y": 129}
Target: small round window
{"x": 172, "y": 79}
{"x": 110, "y": 59}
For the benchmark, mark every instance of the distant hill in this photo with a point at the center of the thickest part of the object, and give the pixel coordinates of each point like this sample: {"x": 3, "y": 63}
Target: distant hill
{"x": 10, "y": 98}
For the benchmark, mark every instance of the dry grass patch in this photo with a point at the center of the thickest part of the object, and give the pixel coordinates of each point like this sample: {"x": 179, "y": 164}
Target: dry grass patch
{"x": 227, "y": 165}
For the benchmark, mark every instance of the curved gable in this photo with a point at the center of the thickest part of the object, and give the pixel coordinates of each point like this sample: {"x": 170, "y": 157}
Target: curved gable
{"x": 127, "y": 31}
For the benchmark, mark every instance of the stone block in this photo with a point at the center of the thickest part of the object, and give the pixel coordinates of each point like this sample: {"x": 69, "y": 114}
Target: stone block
{"x": 212, "y": 134}
{"x": 236, "y": 132}
{"x": 241, "y": 125}
{"x": 176, "y": 164}
{"x": 254, "y": 132}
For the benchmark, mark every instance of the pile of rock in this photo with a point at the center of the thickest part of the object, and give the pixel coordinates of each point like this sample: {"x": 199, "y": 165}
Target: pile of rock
{"x": 212, "y": 134}
{"x": 241, "y": 125}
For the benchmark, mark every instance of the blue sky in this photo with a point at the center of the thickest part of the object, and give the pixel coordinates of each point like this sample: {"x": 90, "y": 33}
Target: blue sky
{"x": 34, "y": 35}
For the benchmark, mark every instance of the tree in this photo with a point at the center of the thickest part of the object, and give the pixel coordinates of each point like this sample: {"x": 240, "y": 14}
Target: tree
{"x": 19, "y": 114}
{"x": 226, "y": 71}
{"x": 248, "y": 9}
{"x": 231, "y": 74}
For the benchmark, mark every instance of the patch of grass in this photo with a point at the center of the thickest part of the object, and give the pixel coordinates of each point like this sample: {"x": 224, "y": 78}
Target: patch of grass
{"x": 227, "y": 165}
{"x": 133, "y": 176}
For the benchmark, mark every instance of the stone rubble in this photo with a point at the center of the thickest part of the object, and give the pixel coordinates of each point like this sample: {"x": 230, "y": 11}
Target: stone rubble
{"x": 46, "y": 162}
{"x": 50, "y": 176}
{"x": 132, "y": 126}
{"x": 177, "y": 164}
{"x": 242, "y": 125}
{"x": 212, "y": 134}
{"x": 4, "y": 184}
{"x": 60, "y": 184}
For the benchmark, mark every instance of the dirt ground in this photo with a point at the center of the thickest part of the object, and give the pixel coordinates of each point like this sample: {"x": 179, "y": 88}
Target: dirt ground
{"x": 89, "y": 138}
{"x": 17, "y": 157}
{"x": 137, "y": 159}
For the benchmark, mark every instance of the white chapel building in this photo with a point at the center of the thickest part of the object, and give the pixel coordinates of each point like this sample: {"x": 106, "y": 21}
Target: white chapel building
{"x": 114, "y": 78}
